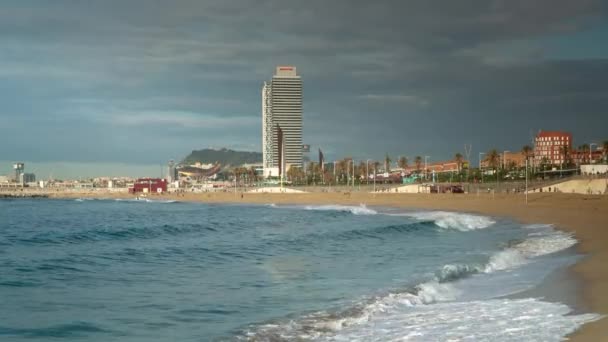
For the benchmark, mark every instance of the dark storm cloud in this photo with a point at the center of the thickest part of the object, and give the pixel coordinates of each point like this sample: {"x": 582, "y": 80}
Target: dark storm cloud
{"x": 148, "y": 80}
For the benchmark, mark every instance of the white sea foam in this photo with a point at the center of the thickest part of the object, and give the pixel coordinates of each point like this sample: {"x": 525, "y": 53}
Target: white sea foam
{"x": 451, "y": 220}
{"x": 399, "y": 317}
{"x": 408, "y": 316}
{"x": 146, "y": 200}
{"x": 362, "y": 209}
{"x": 535, "y": 245}
{"x": 160, "y": 201}
{"x": 82, "y": 199}
{"x": 491, "y": 320}
{"x": 538, "y": 226}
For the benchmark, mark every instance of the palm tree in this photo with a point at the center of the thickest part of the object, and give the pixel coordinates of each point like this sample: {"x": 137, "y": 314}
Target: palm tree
{"x": 565, "y": 152}
{"x": 585, "y": 148}
{"x": 403, "y": 163}
{"x": 254, "y": 176}
{"x": 493, "y": 159}
{"x": 527, "y": 151}
{"x": 544, "y": 163}
{"x": 376, "y": 165}
{"x": 341, "y": 168}
{"x": 458, "y": 157}
{"x": 361, "y": 169}
{"x": 387, "y": 163}
{"x": 418, "y": 162}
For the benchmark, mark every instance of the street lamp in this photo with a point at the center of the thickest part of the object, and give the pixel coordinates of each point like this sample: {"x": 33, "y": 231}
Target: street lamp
{"x": 367, "y": 171}
{"x": 591, "y": 150}
{"x": 425, "y": 167}
{"x": 480, "y": 169}
{"x": 353, "y": 161}
{"x": 504, "y": 156}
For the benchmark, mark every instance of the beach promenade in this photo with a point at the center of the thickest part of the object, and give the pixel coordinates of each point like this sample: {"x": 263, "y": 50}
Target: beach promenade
{"x": 586, "y": 216}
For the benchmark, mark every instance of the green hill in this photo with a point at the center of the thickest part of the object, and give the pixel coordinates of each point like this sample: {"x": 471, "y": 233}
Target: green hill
{"x": 223, "y": 156}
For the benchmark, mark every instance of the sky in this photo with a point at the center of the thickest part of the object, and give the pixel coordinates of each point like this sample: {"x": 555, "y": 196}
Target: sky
{"x": 138, "y": 82}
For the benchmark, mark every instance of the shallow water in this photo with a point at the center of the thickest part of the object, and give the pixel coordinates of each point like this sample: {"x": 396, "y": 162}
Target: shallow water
{"x": 102, "y": 270}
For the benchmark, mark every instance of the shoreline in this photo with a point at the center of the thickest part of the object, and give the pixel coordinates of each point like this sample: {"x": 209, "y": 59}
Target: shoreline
{"x": 586, "y": 216}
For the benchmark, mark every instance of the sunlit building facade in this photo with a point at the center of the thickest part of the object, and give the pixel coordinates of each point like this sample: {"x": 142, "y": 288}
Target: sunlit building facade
{"x": 282, "y": 108}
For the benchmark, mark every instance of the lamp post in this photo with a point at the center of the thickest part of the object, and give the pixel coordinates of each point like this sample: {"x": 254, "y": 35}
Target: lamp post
{"x": 375, "y": 172}
{"x": 590, "y": 152}
{"x": 480, "y": 169}
{"x": 335, "y": 170}
{"x": 367, "y": 171}
{"x": 425, "y": 167}
{"x": 526, "y": 180}
{"x": 504, "y": 164}
{"x": 504, "y": 160}
{"x": 353, "y": 178}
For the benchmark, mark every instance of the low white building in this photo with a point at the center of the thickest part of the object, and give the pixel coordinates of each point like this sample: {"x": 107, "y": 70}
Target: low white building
{"x": 594, "y": 169}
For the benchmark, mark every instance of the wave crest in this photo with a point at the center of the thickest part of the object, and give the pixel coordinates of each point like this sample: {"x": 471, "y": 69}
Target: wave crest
{"x": 362, "y": 209}
{"x": 452, "y": 220}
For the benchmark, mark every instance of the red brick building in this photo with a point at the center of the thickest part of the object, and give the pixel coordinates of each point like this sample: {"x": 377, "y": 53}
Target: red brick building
{"x": 149, "y": 185}
{"x": 549, "y": 145}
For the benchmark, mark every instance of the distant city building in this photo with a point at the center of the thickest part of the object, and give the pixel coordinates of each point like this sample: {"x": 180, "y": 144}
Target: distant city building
{"x": 19, "y": 169}
{"x": 578, "y": 157}
{"x": 506, "y": 160}
{"x": 27, "y": 178}
{"x": 282, "y": 112}
{"x": 149, "y": 185}
{"x": 549, "y": 146}
{"x": 437, "y": 167}
{"x": 171, "y": 174}
{"x": 267, "y": 126}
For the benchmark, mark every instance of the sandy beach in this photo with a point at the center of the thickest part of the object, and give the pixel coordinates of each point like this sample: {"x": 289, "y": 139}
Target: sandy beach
{"x": 584, "y": 215}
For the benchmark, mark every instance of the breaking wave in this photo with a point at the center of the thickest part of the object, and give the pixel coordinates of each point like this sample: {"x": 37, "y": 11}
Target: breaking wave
{"x": 451, "y": 220}
{"x": 442, "y": 219}
{"x": 355, "y": 210}
{"x": 440, "y": 289}
{"x": 144, "y": 200}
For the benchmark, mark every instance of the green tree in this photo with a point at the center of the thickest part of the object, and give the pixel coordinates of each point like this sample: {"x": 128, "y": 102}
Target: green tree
{"x": 605, "y": 150}
{"x": 565, "y": 154}
{"x": 403, "y": 163}
{"x": 376, "y": 166}
{"x": 360, "y": 170}
{"x": 295, "y": 174}
{"x": 544, "y": 163}
{"x": 493, "y": 158}
{"x": 458, "y": 158}
{"x": 418, "y": 162}
{"x": 585, "y": 149}
{"x": 387, "y": 163}
{"x": 527, "y": 152}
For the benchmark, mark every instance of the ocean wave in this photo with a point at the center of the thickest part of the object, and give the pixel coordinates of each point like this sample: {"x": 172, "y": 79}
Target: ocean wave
{"x": 124, "y": 233}
{"x": 362, "y": 209}
{"x": 490, "y": 320}
{"x": 144, "y": 200}
{"x": 442, "y": 219}
{"x": 537, "y": 244}
{"x": 451, "y": 220}
{"x": 440, "y": 289}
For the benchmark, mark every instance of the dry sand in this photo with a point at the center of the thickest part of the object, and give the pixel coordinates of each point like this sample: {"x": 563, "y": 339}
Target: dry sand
{"x": 584, "y": 215}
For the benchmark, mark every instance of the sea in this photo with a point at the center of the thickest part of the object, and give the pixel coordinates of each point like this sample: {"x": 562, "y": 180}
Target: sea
{"x": 152, "y": 270}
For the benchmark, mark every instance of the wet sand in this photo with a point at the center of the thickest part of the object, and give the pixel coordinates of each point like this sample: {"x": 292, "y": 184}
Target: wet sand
{"x": 584, "y": 215}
